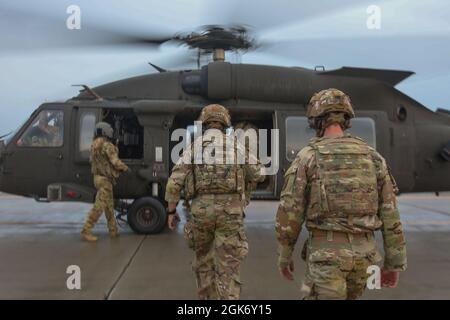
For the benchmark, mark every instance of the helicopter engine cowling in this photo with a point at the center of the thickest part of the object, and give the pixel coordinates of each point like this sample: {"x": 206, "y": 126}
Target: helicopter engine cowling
{"x": 223, "y": 81}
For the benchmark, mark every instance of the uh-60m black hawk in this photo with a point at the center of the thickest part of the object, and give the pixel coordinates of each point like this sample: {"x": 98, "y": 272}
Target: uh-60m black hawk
{"x": 145, "y": 110}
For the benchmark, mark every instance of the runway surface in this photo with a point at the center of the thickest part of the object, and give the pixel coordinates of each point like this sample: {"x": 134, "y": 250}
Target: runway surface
{"x": 38, "y": 241}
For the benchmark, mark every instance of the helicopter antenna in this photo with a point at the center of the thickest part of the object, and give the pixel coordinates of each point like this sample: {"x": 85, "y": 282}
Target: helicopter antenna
{"x": 159, "y": 69}
{"x": 90, "y": 91}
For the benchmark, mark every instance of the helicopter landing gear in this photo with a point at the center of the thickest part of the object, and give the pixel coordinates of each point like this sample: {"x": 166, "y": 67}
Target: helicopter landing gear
{"x": 121, "y": 208}
{"x": 147, "y": 215}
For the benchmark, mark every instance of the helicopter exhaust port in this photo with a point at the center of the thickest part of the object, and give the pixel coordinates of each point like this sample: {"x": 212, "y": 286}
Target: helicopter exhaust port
{"x": 445, "y": 153}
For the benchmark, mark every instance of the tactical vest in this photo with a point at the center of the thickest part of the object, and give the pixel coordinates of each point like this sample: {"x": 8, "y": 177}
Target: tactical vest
{"x": 345, "y": 183}
{"x": 100, "y": 164}
{"x": 217, "y": 176}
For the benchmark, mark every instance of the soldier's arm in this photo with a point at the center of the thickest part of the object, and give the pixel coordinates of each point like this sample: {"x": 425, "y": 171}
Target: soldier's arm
{"x": 291, "y": 211}
{"x": 111, "y": 151}
{"x": 253, "y": 169}
{"x": 177, "y": 179}
{"x": 392, "y": 230}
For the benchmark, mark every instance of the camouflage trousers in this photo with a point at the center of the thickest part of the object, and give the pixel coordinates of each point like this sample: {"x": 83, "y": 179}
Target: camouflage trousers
{"x": 336, "y": 266}
{"x": 216, "y": 233}
{"x": 104, "y": 202}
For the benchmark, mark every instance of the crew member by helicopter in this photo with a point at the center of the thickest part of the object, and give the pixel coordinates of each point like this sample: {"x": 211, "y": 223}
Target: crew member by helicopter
{"x": 106, "y": 168}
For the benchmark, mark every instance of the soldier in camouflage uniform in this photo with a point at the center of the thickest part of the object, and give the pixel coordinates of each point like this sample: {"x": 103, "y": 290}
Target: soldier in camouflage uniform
{"x": 342, "y": 189}
{"x": 106, "y": 168}
{"x": 216, "y": 231}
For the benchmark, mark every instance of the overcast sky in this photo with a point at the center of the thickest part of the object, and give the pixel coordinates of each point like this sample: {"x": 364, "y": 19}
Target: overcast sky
{"x": 40, "y": 58}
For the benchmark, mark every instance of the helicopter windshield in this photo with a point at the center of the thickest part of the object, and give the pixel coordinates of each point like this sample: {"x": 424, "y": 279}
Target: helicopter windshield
{"x": 46, "y": 130}
{"x": 7, "y": 138}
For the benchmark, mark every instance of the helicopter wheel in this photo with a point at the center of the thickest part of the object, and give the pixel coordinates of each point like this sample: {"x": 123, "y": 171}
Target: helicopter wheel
{"x": 147, "y": 216}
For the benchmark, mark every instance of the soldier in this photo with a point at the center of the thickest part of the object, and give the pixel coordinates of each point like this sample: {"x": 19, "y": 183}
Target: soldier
{"x": 215, "y": 231}
{"x": 342, "y": 189}
{"x": 106, "y": 168}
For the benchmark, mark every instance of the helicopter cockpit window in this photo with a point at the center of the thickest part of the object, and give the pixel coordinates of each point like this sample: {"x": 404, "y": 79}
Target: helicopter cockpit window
{"x": 298, "y": 133}
{"x": 47, "y": 130}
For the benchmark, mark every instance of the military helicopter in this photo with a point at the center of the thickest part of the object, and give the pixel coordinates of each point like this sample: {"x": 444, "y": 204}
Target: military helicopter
{"x": 48, "y": 157}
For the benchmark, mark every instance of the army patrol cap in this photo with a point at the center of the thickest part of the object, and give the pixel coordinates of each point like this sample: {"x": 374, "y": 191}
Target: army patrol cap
{"x": 104, "y": 129}
{"x": 327, "y": 101}
{"x": 216, "y": 112}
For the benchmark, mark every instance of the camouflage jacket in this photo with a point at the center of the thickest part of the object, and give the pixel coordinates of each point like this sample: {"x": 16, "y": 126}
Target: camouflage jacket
{"x": 182, "y": 173}
{"x": 296, "y": 206}
{"x": 104, "y": 159}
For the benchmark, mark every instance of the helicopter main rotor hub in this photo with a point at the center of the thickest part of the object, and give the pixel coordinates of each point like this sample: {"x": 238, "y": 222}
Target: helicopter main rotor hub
{"x": 217, "y": 40}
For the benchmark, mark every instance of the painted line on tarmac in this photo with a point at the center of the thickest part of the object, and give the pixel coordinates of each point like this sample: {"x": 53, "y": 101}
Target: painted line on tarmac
{"x": 110, "y": 291}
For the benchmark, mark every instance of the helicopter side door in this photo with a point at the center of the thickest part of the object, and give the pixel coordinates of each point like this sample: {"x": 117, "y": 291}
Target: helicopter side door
{"x": 37, "y": 155}
{"x": 84, "y": 120}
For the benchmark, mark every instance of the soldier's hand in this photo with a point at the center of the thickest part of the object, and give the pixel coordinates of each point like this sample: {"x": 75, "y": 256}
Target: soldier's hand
{"x": 287, "y": 272}
{"x": 173, "y": 220}
{"x": 389, "y": 279}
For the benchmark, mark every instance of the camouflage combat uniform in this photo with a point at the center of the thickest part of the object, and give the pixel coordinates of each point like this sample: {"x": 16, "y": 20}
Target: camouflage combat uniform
{"x": 342, "y": 189}
{"x": 216, "y": 229}
{"x": 106, "y": 168}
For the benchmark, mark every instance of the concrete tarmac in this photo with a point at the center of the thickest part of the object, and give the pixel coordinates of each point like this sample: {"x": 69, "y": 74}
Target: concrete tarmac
{"x": 38, "y": 241}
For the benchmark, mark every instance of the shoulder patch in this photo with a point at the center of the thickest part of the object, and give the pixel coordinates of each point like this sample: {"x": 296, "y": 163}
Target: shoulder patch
{"x": 303, "y": 156}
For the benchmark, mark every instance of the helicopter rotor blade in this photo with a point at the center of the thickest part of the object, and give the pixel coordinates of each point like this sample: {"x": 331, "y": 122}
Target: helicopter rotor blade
{"x": 47, "y": 30}
{"x": 43, "y": 26}
{"x": 265, "y": 15}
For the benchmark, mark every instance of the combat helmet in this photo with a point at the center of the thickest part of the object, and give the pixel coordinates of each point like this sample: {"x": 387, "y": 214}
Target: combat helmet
{"x": 329, "y": 105}
{"x": 215, "y": 112}
{"x": 103, "y": 129}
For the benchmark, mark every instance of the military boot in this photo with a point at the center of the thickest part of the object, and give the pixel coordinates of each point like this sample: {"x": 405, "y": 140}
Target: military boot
{"x": 88, "y": 236}
{"x": 114, "y": 233}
